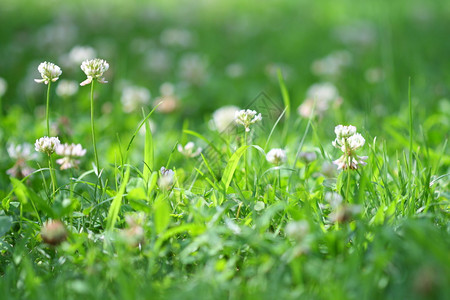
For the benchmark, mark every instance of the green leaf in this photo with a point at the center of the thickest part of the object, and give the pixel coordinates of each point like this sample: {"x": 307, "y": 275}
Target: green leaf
{"x": 114, "y": 209}
{"x": 231, "y": 166}
{"x": 161, "y": 214}
{"x": 5, "y": 224}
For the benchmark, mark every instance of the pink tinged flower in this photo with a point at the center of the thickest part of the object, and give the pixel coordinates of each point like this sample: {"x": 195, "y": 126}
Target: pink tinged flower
{"x": 94, "y": 69}
{"x": 166, "y": 179}
{"x": 70, "y": 153}
{"x": 49, "y": 72}
{"x": 21, "y": 153}
{"x": 188, "y": 150}
{"x": 348, "y": 141}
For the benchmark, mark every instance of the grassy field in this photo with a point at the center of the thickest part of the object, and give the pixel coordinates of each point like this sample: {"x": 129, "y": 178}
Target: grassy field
{"x": 202, "y": 157}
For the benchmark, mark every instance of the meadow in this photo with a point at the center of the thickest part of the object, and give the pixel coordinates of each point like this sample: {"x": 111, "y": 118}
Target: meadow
{"x": 224, "y": 149}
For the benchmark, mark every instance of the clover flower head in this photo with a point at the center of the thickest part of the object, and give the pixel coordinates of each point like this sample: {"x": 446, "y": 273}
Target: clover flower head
{"x": 332, "y": 64}
{"x": 247, "y": 117}
{"x": 276, "y": 156}
{"x": 66, "y": 88}
{"x": 78, "y": 54}
{"x": 344, "y": 213}
{"x": 297, "y": 230}
{"x": 188, "y": 150}
{"x": 223, "y": 119}
{"x": 319, "y": 98}
{"x": 47, "y": 144}
{"x": 308, "y": 156}
{"x": 70, "y": 152}
{"x": 166, "y": 179}
{"x": 21, "y": 153}
{"x": 134, "y": 234}
{"x": 94, "y": 69}
{"x": 348, "y": 141}
{"x": 134, "y": 97}
{"x": 53, "y": 232}
{"x": 356, "y": 141}
{"x": 333, "y": 198}
{"x": 49, "y": 72}
{"x": 344, "y": 131}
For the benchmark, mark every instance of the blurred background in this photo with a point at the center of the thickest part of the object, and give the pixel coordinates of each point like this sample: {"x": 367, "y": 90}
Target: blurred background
{"x": 201, "y": 55}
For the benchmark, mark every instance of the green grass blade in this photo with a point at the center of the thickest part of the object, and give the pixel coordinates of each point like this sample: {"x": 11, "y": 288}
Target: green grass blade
{"x": 149, "y": 158}
{"x": 232, "y": 165}
{"x": 284, "y": 94}
{"x": 114, "y": 209}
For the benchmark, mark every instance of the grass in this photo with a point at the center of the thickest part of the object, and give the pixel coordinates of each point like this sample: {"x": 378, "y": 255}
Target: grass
{"x": 227, "y": 224}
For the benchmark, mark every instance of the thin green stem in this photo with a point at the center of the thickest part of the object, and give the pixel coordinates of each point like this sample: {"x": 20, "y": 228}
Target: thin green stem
{"x": 97, "y": 164}
{"x": 47, "y": 109}
{"x": 411, "y": 177}
{"x": 245, "y": 160}
{"x": 52, "y": 175}
{"x": 279, "y": 179}
{"x": 347, "y": 196}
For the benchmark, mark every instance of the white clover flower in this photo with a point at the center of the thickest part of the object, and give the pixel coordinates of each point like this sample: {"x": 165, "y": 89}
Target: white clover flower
{"x": 134, "y": 97}
{"x": 78, "y": 54}
{"x": 247, "y": 117}
{"x": 176, "y": 37}
{"x": 297, "y": 229}
{"x": 332, "y": 64}
{"x": 66, "y": 88}
{"x": 328, "y": 170}
{"x": 350, "y": 162}
{"x": 47, "y": 144}
{"x": 234, "y": 70}
{"x": 356, "y": 141}
{"x": 348, "y": 141}
{"x": 166, "y": 179}
{"x": 193, "y": 69}
{"x": 70, "y": 152}
{"x": 319, "y": 96}
{"x": 75, "y": 150}
{"x": 276, "y": 156}
{"x": 188, "y": 150}
{"x": 158, "y": 61}
{"x": 374, "y": 75}
{"x": 3, "y": 87}
{"x": 223, "y": 119}
{"x": 94, "y": 69}
{"x": 308, "y": 157}
{"x": 167, "y": 89}
{"x": 333, "y": 198}
{"x": 167, "y": 102}
{"x": 344, "y": 131}
{"x": 21, "y": 153}
{"x": 49, "y": 72}
{"x": 344, "y": 213}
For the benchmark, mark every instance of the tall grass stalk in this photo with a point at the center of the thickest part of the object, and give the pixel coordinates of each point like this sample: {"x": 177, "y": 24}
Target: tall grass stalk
{"x": 47, "y": 109}
{"x": 52, "y": 174}
{"x": 97, "y": 164}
